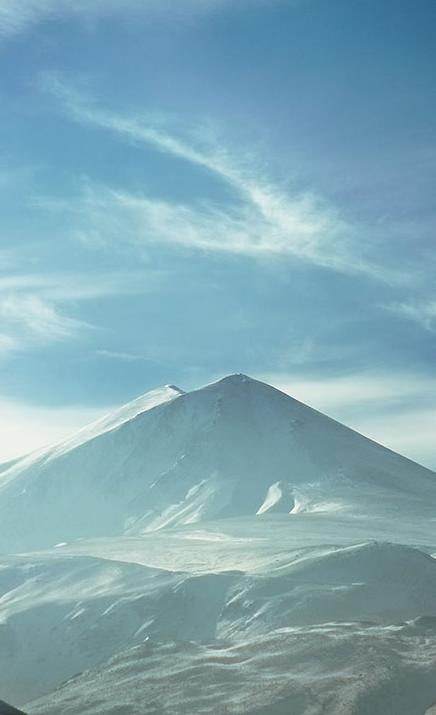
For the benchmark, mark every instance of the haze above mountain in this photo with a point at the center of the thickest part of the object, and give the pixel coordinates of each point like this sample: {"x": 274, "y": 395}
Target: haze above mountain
{"x": 225, "y": 545}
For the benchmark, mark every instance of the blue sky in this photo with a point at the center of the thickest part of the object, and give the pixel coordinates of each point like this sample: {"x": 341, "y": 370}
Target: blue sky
{"x": 240, "y": 186}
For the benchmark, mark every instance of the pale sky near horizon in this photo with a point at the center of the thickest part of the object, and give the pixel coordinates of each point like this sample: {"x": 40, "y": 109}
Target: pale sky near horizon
{"x": 196, "y": 188}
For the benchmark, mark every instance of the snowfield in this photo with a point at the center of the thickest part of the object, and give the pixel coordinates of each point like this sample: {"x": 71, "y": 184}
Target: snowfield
{"x": 226, "y": 550}
{"x": 337, "y": 670}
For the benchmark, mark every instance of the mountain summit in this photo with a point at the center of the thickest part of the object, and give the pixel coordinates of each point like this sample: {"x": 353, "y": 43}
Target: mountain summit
{"x": 236, "y": 447}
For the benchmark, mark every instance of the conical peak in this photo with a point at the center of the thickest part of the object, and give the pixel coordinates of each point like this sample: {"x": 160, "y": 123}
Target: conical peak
{"x": 235, "y": 379}
{"x": 234, "y": 385}
{"x": 238, "y": 382}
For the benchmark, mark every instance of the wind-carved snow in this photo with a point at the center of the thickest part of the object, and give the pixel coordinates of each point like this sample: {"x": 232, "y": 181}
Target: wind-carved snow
{"x": 114, "y": 420}
{"x": 278, "y": 498}
{"x": 232, "y": 534}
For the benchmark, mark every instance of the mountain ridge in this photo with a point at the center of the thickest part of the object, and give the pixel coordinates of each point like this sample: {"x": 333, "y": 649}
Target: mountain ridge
{"x": 235, "y": 447}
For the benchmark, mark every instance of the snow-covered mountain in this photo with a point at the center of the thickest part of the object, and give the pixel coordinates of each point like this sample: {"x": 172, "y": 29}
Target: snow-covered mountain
{"x": 234, "y": 448}
{"x": 223, "y": 550}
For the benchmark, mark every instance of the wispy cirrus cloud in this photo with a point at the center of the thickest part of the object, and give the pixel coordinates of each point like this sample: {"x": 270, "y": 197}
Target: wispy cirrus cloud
{"x": 122, "y": 356}
{"x": 35, "y": 308}
{"x": 17, "y": 16}
{"x": 422, "y": 312}
{"x": 108, "y": 215}
{"x": 8, "y": 345}
{"x": 264, "y": 220}
{"x": 65, "y": 286}
{"x": 36, "y": 316}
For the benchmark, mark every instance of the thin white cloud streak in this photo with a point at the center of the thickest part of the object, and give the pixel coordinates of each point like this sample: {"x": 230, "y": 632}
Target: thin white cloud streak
{"x": 64, "y": 286}
{"x": 37, "y": 316}
{"x": 31, "y": 321}
{"x": 34, "y": 307}
{"x": 17, "y": 16}
{"x": 267, "y": 221}
{"x": 123, "y": 356}
{"x": 24, "y": 427}
{"x": 421, "y": 312}
{"x": 8, "y": 345}
{"x": 107, "y": 215}
{"x": 396, "y": 410}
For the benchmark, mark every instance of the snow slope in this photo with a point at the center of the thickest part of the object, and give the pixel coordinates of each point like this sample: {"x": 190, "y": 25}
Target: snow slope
{"x": 60, "y": 614}
{"x": 227, "y": 550}
{"x": 234, "y": 448}
{"x": 326, "y": 670}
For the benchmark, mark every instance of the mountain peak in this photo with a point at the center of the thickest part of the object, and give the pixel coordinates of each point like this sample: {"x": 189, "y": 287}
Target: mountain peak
{"x": 238, "y": 377}
{"x": 236, "y": 447}
{"x": 243, "y": 385}
{"x": 235, "y": 379}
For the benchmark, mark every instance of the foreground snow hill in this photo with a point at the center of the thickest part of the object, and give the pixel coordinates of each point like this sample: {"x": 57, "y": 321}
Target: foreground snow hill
{"x": 227, "y": 550}
{"x": 234, "y": 448}
{"x": 342, "y": 670}
{"x": 62, "y": 614}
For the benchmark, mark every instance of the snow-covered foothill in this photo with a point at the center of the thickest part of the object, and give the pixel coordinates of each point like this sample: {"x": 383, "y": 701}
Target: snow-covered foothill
{"x": 350, "y": 669}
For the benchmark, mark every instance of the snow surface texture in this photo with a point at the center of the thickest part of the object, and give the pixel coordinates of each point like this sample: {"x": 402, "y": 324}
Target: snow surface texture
{"x": 227, "y": 550}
